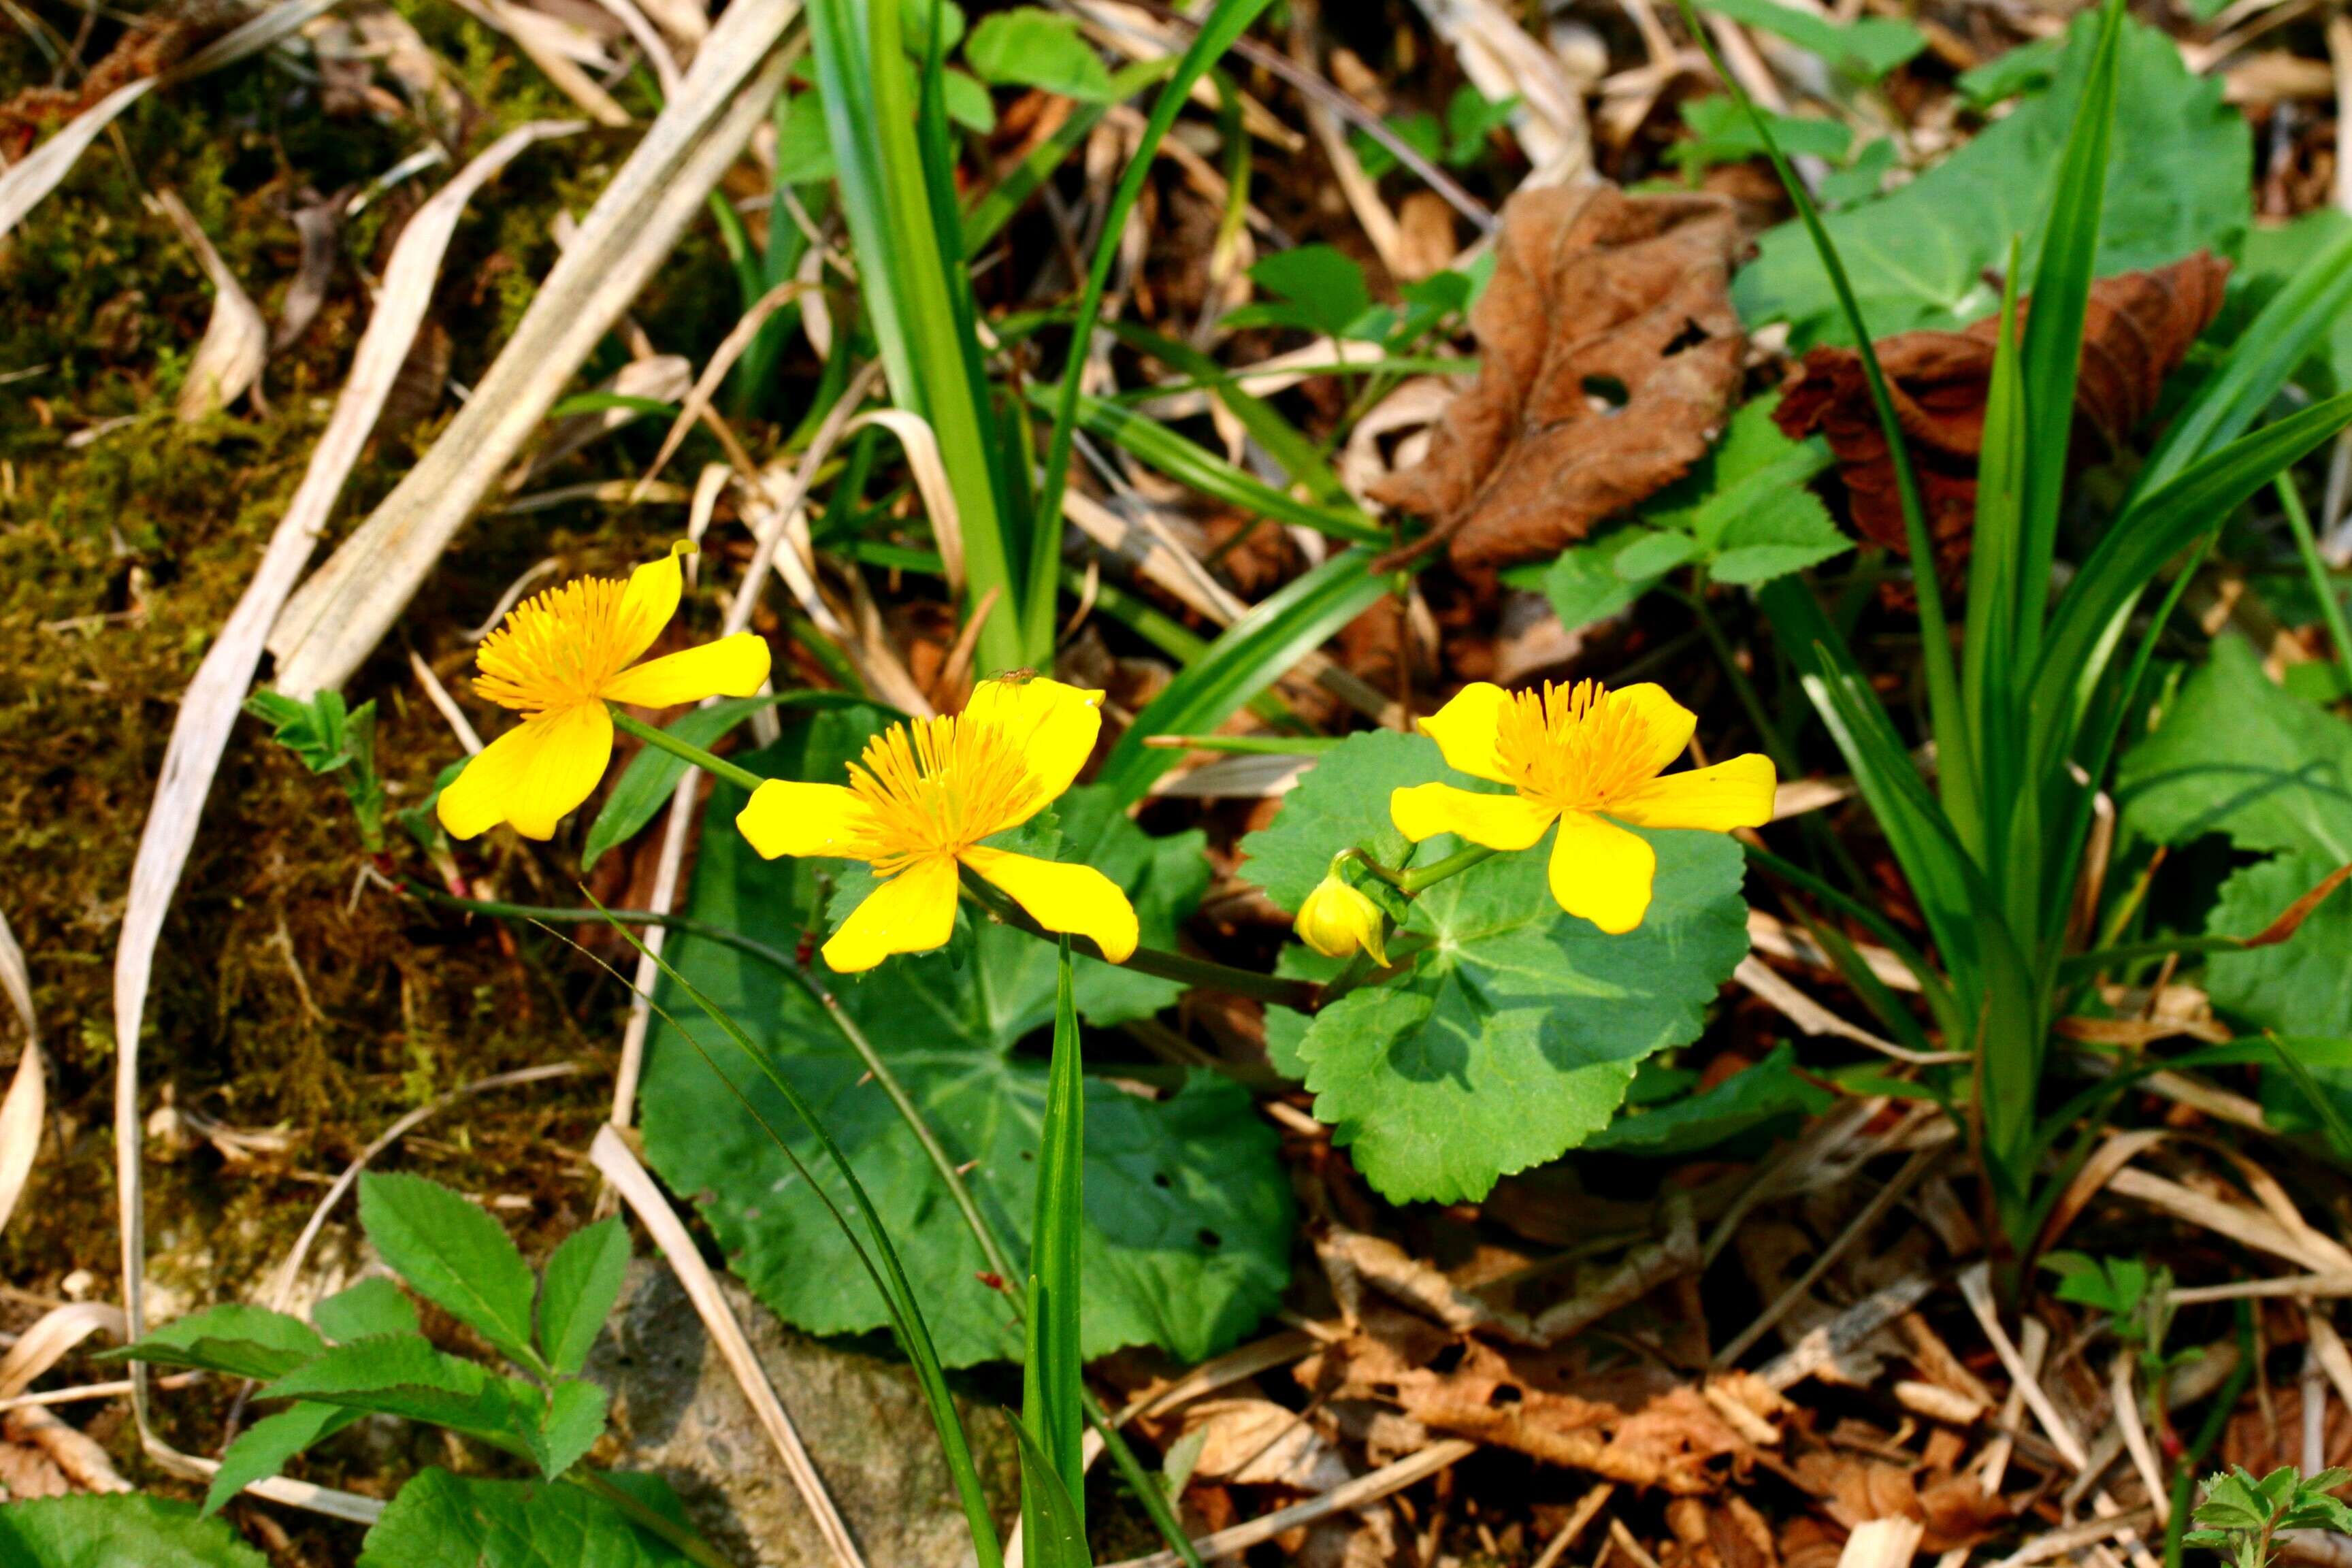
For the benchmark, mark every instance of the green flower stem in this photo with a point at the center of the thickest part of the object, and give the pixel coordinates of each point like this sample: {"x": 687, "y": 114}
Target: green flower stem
{"x": 2331, "y": 608}
{"x": 1302, "y": 995}
{"x": 1419, "y": 880}
{"x": 719, "y": 767}
{"x": 1363, "y": 857}
{"x": 1123, "y": 1457}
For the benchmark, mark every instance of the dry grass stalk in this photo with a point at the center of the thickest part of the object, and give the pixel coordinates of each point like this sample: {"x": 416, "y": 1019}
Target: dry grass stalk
{"x": 1363, "y": 1489}
{"x": 1976, "y": 1287}
{"x": 53, "y": 1334}
{"x": 345, "y": 609}
{"x": 1882, "y": 1543}
{"x": 23, "y": 186}
{"x": 1872, "y": 1212}
{"x": 612, "y": 1155}
{"x": 25, "y": 1109}
{"x": 228, "y": 361}
{"x": 208, "y": 710}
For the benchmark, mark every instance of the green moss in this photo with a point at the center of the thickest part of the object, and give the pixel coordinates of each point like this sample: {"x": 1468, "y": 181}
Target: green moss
{"x": 287, "y": 992}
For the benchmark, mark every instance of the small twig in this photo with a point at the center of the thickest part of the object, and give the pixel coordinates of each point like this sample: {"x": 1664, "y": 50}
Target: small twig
{"x": 1909, "y": 1176}
{"x": 2075, "y": 1537}
{"x": 1365, "y": 1489}
{"x": 1623, "y": 1540}
{"x": 1976, "y": 1287}
{"x": 1588, "y": 1505}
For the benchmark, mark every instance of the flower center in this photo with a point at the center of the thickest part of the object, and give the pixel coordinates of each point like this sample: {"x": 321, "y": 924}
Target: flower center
{"x": 1574, "y": 748}
{"x": 938, "y": 786}
{"x": 559, "y": 649}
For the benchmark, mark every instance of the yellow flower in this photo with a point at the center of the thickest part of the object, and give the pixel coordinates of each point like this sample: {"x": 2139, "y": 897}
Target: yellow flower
{"x": 1579, "y": 755}
{"x": 1336, "y": 919}
{"x": 558, "y": 659}
{"x": 920, "y": 800}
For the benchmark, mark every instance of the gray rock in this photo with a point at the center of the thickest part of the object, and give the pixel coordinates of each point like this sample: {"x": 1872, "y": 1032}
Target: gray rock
{"x": 862, "y": 1418}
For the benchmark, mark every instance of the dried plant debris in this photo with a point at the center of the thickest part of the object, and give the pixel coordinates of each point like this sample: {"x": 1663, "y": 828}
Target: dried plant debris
{"x": 1635, "y": 1424}
{"x": 2138, "y": 329}
{"x": 1609, "y": 353}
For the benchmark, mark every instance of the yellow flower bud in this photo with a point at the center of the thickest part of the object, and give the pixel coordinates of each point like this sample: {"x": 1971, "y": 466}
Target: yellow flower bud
{"x": 1336, "y": 919}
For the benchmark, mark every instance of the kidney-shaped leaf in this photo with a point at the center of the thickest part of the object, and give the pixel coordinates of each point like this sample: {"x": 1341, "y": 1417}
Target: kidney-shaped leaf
{"x": 1188, "y": 1218}
{"x": 1514, "y": 1038}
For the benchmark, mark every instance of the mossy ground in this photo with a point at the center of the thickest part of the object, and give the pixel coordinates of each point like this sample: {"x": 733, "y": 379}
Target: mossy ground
{"x": 291, "y": 992}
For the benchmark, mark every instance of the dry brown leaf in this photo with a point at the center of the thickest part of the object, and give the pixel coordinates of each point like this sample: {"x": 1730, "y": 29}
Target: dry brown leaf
{"x": 2261, "y": 1441}
{"x": 26, "y": 1472}
{"x": 1609, "y": 353}
{"x": 1635, "y": 1425}
{"x": 1854, "y": 1490}
{"x": 1726, "y": 1534}
{"x": 1255, "y": 1442}
{"x": 2137, "y": 328}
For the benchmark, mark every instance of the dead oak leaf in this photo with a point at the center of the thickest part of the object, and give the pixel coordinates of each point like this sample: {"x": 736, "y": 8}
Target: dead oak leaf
{"x": 1609, "y": 353}
{"x": 2135, "y": 332}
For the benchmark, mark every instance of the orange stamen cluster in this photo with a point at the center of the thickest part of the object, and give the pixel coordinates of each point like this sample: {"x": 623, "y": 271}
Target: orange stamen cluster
{"x": 560, "y": 648}
{"x": 1572, "y": 748}
{"x": 936, "y": 787}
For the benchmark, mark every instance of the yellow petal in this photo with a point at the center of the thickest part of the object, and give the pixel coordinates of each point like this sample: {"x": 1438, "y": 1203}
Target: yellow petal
{"x": 1336, "y": 919}
{"x": 1734, "y": 794}
{"x": 1079, "y": 899}
{"x": 786, "y": 816}
{"x": 1602, "y": 872}
{"x": 914, "y": 911}
{"x": 1497, "y": 820}
{"x": 649, "y": 601}
{"x": 1464, "y": 730}
{"x": 531, "y": 775}
{"x": 731, "y": 667}
{"x": 1671, "y": 725}
{"x": 1053, "y": 725}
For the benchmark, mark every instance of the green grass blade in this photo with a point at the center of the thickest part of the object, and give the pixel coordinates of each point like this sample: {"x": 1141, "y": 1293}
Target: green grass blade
{"x": 1187, "y": 462}
{"x": 926, "y": 338}
{"x": 1255, "y": 652}
{"x": 1958, "y": 769}
{"x": 1053, "y": 1533}
{"x": 2053, "y": 328}
{"x": 2266, "y": 355}
{"x": 1989, "y": 676}
{"x": 1053, "y": 1402}
{"x": 889, "y": 1279}
{"x": 2323, "y": 583}
{"x": 2090, "y": 617}
{"x": 1222, "y": 26}
{"x": 1925, "y": 843}
{"x": 1283, "y": 442}
{"x": 1014, "y": 186}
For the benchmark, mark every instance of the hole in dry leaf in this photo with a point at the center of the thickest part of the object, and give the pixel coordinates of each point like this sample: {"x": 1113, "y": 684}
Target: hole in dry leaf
{"x": 1606, "y": 394}
{"x": 1690, "y": 337}
{"x": 1503, "y": 1395}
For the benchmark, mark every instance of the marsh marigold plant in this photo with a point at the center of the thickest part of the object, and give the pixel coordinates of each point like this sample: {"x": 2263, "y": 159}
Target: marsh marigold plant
{"x": 920, "y": 800}
{"x": 1588, "y": 759}
{"x": 558, "y": 659}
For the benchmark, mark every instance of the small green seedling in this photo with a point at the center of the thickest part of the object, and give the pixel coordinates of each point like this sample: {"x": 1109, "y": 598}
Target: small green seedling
{"x": 331, "y": 740}
{"x": 2241, "y": 1517}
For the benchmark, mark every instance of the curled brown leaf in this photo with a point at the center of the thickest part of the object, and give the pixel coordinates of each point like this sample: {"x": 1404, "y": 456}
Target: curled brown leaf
{"x": 2136, "y": 331}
